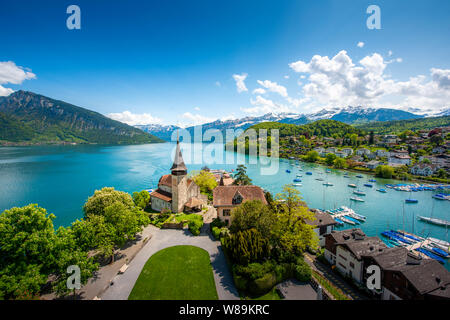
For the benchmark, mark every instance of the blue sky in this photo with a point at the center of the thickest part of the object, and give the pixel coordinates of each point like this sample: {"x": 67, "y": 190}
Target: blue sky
{"x": 173, "y": 61}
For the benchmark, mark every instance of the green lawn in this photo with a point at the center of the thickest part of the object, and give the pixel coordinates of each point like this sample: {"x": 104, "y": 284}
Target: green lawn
{"x": 176, "y": 273}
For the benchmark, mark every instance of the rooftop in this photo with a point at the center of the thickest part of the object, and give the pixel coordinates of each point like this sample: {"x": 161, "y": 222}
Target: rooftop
{"x": 223, "y": 195}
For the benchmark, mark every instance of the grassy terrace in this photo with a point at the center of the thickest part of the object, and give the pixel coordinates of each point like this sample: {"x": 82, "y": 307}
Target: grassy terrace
{"x": 176, "y": 273}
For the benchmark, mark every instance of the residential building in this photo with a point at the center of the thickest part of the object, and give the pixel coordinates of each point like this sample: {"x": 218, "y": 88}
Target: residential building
{"x": 390, "y": 139}
{"x": 347, "y": 151}
{"x": 373, "y": 164}
{"x": 345, "y": 249}
{"x": 226, "y": 198}
{"x": 324, "y": 224}
{"x": 407, "y": 276}
{"x": 399, "y": 159}
{"x": 382, "y": 153}
{"x": 423, "y": 169}
{"x": 363, "y": 151}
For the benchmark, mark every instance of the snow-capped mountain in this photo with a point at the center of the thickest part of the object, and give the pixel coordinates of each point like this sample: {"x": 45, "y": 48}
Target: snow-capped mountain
{"x": 160, "y": 131}
{"x": 347, "y": 115}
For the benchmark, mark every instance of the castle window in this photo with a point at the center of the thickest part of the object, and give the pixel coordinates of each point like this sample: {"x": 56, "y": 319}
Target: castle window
{"x": 226, "y": 212}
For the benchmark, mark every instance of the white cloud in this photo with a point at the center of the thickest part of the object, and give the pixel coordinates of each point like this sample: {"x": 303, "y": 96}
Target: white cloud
{"x": 240, "y": 82}
{"x": 360, "y": 44}
{"x": 262, "y": 106}
{"x": 399, "y": 60}
{"x": 4, "y": 92}
{"x": 286, "y": 77}
{"x": 390, "y": 53}
{"x": 273, "y": 87}
{"x": 12, "y": 74}
{"x": 340, "y": 82}
{"x": 195, "y": 119}
{"x": 133, "y": 119}
{"x": 196, "y": 108}
{"x": 218, "y": 84}
{"x": 259, "y": 91}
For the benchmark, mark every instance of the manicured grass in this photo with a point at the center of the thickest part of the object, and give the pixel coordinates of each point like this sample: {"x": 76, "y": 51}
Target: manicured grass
{"x": 271, "y": 295}
{"x": 176, "y": 273}
{"x": 188, "y": 217}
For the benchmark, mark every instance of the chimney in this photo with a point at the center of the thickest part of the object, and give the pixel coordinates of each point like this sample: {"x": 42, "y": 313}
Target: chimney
{"x": 413, "y": 259}
{"x": 358, "y": 235}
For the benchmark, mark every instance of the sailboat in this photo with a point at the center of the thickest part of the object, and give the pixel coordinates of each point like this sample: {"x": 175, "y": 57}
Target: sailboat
{"x": 410, "y": 200}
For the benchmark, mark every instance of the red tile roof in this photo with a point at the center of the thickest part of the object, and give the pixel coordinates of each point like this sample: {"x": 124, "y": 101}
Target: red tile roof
{"x": 161, "y": 194}
{"x": 223, "y": 195}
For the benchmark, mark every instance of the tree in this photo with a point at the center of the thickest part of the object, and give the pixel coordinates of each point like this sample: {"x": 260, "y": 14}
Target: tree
{"x": 247, "y": 246}
{"x": 252, "y": 214}
{"x": 354, "y": 139}
{"x": 426, "y": 160}
{"x": 290, "y": 231}
{"x": 105, "y": 197}
{"x": 240, "y": 177}
{"x": 441, "y": 173}
{"x": 206, "y": 181}
{"x": 340, "y": 163}
{"x": 371, "y": 138}
{"x": 30, "y": 251}
{"x": 312, "y": 156}
{"x": 436, "y": 139}
{"x": 329, "y": 159}
{"x": 384, "y": 171}
{"x": 141, "y": 199}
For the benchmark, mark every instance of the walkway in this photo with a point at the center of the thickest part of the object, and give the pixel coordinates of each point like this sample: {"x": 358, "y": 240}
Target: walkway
{"x": 164, "y": 238}
{"x": 296, "y": 290}
{"x": 336, "y": 279}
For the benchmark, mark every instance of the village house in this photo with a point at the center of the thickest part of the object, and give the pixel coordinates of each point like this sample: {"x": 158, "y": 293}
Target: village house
{"x": 347, "y": 151}
{"x": 382, "y": 153}
{"x": 226, "y": 198}
{"x": 373, "y": 164}
{"x": 320, "y": 151}
{"x": 390, "y": 139}
{"x": 399, "y": 157}
{"x": 331, "y": 150}
{"x": 323, "y": 224}
{"x": 176, "y": 192}
{"x": 423, "y": 169}
{"x": 439, "y": 149}
{"x": 407, "y": 276}
{"x": 363, "y": 151}
{"x": 345, "y": 249}
{"x": 440, "y": 161}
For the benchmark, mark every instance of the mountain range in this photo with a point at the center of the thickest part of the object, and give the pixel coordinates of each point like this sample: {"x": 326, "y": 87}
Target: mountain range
{"x": 348, "y": 115}
{"x": 30, "y": 118}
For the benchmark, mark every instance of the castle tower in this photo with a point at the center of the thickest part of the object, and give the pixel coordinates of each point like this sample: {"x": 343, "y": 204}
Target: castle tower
{"x": 179, "y": 181}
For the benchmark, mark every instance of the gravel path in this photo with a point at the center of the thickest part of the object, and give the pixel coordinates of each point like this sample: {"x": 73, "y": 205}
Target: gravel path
{"x": 164, "y": 238}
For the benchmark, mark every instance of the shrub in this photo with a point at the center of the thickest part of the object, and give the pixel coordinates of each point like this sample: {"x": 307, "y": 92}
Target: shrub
{"x": 303, "y": 272}
{"x": 216, "y": 233}
{"x": 240, "y": 282}
{"x": 217, "y": 223}
{"x": 195, "y": 226}
{"x": 262, "y": 285}
{"x": 247, "y": 246}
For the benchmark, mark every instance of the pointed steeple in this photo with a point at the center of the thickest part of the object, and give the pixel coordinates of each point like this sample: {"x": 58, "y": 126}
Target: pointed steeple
{"x": 178, "y": 167}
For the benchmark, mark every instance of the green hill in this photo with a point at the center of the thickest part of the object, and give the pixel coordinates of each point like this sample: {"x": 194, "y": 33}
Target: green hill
{"x": 29, "y": 118}
{"x": 387, "y": 127}
{"x": 320, "y": 128}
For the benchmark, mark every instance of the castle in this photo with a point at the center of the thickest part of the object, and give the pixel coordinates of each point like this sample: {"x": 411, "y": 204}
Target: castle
{"x": 176, "y": 192}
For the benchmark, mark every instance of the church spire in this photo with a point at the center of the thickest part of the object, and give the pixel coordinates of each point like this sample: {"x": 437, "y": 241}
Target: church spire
{"x": 178, "y": 167}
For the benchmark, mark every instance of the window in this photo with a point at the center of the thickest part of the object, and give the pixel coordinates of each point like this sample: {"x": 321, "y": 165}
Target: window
{"x": 342, "y": 257}
{"x": 237, "y": 199}
{"x": 352, "y": 265}
{"x": 226, "y": 212}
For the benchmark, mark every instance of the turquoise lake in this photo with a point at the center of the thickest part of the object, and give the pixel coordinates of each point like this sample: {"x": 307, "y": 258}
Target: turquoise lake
{"x": 61, "y": 178}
